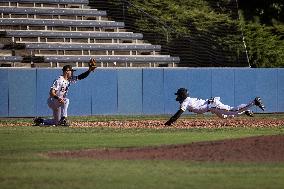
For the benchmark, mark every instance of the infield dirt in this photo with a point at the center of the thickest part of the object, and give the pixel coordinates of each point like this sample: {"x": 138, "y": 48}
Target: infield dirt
{"x": 251, "y": 149}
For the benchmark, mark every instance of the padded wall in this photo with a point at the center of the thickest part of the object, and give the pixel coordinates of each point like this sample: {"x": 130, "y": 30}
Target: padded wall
{"x": 4, "y": 92}
{"x": 22, "y": 92}
{"x": 104, "y": 91}
{"x": 200, "y": 82}
{"x": 266, "y": 88}
{"x": 136, "y": 91}
{"x": 79, "y": 95}
{"x": 153, "y": 91}
{"x": 129, "y": 95}
{"x": 45, "y": 78}
{"x": 245, "y": 86}
{"x": 173, "y": 79}
{"x": 280, "y": 92}
{"x": 223, "y": 79}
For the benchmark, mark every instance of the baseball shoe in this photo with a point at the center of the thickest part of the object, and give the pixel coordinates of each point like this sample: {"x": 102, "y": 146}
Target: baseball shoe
{"x": 258, "y": 102}
{"x": 63, "y": 122}
{"x": 38, "y": 121}
{"x": 249, "y": 113}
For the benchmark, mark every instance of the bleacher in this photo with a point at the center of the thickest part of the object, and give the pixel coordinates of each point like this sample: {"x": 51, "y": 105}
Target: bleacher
{"x": 52, "y": 33}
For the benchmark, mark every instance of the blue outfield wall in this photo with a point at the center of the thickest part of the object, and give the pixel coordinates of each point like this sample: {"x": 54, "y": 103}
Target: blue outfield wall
{"x": 22, "y": 92}
{"x": 153, "y": 91}
{"x": 103, "y": 85}
{"x": 138, "y": 91}
{"x": 4, "y": 93}
{"x": 129, "y": 91}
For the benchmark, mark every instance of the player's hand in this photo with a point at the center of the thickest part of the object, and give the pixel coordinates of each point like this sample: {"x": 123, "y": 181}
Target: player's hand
{"x": 60, "y": 100}
{"x": 168, "y": 123}
{"x": 92, "y": 65}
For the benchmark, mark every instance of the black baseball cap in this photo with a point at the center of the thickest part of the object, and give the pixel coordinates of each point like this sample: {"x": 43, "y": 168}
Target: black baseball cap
{"x": 68, "y": 67}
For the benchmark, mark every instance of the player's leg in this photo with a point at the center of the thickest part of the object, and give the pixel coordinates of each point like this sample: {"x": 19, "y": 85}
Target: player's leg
{"x": 64, "y": 109}
{"x": 54, "y": 105}
{"x": 218, "y": 104}
{"x": 245, "y": 108}
{"x": 217, "y": 112}
{"x": 226, "y": 111}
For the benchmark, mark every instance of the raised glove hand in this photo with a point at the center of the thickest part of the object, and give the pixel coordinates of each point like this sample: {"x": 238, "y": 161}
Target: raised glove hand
{"x": 92, "y": 64}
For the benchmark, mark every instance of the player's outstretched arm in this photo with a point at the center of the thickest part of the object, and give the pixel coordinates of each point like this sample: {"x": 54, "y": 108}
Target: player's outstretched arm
{"x": 92, "y": 67}
{"x": 174, "y": 117}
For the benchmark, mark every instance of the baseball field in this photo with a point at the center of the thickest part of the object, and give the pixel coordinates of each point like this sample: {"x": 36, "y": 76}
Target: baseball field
{"x": 139, "y": 152}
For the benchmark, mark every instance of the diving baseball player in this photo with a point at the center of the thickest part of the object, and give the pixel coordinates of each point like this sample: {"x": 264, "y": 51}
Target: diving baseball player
{"x": 213, "y": 105}
{"x": 58, "y": 101}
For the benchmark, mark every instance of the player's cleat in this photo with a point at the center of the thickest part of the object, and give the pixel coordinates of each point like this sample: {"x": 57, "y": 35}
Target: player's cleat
{"x": 258, "y": 102}
{"x": 63, "y": 122}
{"x": 38, "y": 121}
{"x": 249, "y": 113}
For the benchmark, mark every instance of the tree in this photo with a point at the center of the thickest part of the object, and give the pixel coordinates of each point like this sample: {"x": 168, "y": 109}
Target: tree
{"x": 208, "y": 32}
{"x": 262, "y": 21}
{"x": 265, "y": 11}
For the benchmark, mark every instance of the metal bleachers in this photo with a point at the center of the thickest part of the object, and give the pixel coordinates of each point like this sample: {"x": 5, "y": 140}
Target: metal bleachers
{"x": 52, "y": 33}
{"x": 96, "y": 46}
{"x": 61, "y": 22}
{"x": 50, "y": 11}
{"x": 102, "y": 59}
{"x": 81, "y": 2}
{"x": 71, "y": 34}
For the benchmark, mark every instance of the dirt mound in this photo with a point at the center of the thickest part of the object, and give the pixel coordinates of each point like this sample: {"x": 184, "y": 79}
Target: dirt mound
{"x": 251, "y": 149}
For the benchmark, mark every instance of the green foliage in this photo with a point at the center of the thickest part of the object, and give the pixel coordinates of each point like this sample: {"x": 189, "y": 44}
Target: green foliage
{"x": 180, "y": 17}
{"x": 266, "y": 49}
{"x": 195, "y": 20}
{"x": 263, "y": 26}
{"x": 263, "y": 11}
{"x": 208, "y": 32}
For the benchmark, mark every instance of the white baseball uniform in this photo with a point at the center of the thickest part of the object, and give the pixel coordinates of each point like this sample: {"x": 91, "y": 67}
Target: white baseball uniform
{"x": 200, "y": 106}
{"x": 61, "y": 86}
{"x": 195, "y": 105}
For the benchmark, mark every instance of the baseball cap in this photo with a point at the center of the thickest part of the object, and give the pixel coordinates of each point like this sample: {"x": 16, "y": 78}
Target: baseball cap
{"x": 67, "y": 67}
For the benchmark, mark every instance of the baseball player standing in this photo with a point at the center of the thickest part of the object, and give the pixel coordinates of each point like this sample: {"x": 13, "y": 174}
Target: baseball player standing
{"x": 58, "y": 101}
{"x": 213, "y": 105}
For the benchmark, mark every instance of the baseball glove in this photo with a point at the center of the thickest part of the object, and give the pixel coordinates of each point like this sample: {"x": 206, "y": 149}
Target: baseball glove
{"x": 92, "y": 64}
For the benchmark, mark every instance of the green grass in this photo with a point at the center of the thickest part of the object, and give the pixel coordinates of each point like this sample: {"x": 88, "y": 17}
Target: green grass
{"x": 22, "y": 166}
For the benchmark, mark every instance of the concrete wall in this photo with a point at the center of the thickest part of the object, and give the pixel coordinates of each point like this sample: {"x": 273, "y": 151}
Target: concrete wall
{"x": 137, "y": 91}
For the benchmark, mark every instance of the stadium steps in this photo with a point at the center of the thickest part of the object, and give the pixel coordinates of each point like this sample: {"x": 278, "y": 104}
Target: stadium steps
{"x": 62, "y": 22}
{"x": 50, "y": 11}
{"x": 102, "y": 59}
{"x": 55, "y": 2}
{"x": 94, "y": 46}
{"x": 70, "y": 34}
{"x": 55, "y": 32}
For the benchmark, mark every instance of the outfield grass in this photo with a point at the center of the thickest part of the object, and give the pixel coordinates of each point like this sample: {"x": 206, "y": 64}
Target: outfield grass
{"x": 23, "y": 166}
